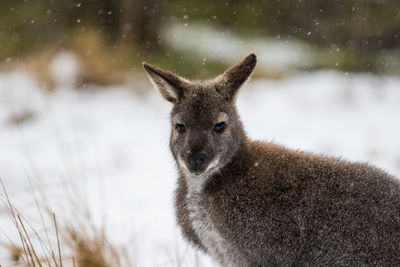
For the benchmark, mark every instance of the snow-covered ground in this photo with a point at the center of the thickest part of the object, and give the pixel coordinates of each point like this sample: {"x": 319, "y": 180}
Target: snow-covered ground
{"x": 109, "y": 148}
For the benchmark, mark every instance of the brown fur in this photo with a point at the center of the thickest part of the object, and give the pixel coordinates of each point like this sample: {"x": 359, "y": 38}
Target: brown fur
{"x": 274, "y": 206}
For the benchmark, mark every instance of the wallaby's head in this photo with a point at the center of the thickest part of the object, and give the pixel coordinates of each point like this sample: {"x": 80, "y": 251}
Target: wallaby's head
{"x": 206, "y": 131}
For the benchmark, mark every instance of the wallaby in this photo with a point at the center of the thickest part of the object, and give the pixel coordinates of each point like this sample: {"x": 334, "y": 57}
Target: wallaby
{"x": 250, "y": 203}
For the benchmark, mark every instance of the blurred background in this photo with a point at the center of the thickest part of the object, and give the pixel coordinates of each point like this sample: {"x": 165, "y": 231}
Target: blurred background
{"x": 84, "y": 135}
{"x": 199, "y": 38}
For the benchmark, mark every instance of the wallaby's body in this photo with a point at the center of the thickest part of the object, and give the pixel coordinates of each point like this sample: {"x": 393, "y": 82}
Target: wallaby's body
{"x": 259, "y": 204}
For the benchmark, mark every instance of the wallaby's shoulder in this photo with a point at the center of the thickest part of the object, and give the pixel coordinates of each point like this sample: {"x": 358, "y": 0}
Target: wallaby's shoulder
{"x": 270, "y": 157}
{"x": 315, "y": 174}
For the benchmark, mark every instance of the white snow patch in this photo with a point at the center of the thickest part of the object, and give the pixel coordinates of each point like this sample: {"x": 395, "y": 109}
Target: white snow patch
{"x": 65, "y": 69}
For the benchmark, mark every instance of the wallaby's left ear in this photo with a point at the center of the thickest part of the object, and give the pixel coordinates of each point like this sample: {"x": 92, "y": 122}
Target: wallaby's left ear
{"x": 230, "y": 81}
{"x": 170, "y": 85}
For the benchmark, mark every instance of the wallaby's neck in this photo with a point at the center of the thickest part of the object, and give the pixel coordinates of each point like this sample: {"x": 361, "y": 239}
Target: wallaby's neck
{"x": 238, "y": 161}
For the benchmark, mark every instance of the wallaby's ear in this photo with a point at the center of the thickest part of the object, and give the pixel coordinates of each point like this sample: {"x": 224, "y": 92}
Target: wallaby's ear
{"x": 170, "y": 85}
{"x": 230, "y": 81}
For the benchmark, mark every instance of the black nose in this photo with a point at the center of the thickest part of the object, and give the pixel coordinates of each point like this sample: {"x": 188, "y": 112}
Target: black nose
{"x": 196, "y": 158}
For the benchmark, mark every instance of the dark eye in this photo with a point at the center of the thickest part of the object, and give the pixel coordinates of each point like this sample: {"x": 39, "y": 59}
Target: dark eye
{"x": 180, "y": 128}
{"x": 220, "y": 127}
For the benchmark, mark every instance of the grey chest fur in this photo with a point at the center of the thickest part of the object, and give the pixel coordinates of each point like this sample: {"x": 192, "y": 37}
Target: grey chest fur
{"x": 202, "y": 223}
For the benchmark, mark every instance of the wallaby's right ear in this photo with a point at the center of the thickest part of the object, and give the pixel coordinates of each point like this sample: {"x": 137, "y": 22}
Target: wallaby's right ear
{"x": 229, "y": 82}
{"x": 170, "y": 85}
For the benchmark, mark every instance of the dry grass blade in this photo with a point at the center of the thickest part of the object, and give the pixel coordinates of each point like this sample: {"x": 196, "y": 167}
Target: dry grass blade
{"x": 40, "y": 212}
{"x": 29, "y": 244}
{"x": 58, "y": 239}
{"x": 14, "y": 219}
